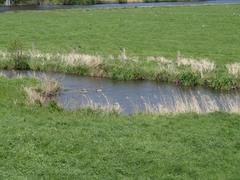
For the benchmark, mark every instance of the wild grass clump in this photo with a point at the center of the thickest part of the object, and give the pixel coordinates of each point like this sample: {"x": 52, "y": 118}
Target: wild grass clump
{"x": 202, "y": 65}
{"x": 192, "y": 104}
{"x": 159, "y": 59}
{"x": 223, "y": 82}
{"x": 15, "y": 50}
{"x": 43, "y": 93}
{"x": 188, "y": 78}
{"x": 233, "y": 69}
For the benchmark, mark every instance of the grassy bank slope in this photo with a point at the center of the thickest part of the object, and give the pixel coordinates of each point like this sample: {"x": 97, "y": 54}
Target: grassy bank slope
{"x": 198, "y": 31}
{"x": 38, "y": 142}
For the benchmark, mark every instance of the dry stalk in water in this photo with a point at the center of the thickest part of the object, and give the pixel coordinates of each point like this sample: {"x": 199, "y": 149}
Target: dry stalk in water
{"x": 188, "y": 104}
{"x": 108, "y": 107}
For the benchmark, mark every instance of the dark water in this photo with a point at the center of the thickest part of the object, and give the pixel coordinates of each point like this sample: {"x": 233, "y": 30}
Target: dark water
{"x": 52, "y": 7}
{"x": 133, "y": 96}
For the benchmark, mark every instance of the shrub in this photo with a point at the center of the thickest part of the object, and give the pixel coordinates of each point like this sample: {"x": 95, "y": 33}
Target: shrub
{"x": 223, "y": 82}
{"x": 188, "y": 78}
{"x": 15, "y": 50}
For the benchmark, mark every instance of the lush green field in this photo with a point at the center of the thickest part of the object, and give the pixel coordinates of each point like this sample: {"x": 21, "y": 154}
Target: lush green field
{"x": 197, "y": 31}
{"x": 38, "y": 142}
{"x": 51, "y": 143}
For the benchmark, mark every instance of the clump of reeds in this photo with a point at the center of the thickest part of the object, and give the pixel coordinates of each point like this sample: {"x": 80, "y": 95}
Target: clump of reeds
{"x": 159, "y": 59}
{"x": 71, "y": 59}
{"x": 34, "y": 96}
{"x": 107, "y": 107}
{"x": 192, "y": 103}
{"x": 76, "y": 59}
{"x": 43, "y": 93}
{"x": 233, "y": 69}
{"x": 49, "y": 87}
{"x": 202, "y": 66}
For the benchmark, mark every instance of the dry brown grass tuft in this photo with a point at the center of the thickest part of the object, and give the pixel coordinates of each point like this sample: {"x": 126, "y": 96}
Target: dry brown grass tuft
{"x": 233, "y": 69}
{"x": 159, "y": 59}
{"x": 34, "y": 96}
{"x": 76, "y": 59}
{"x": 200, "y": 66}
{"x": 71, "y": 59}
{"x": 49, "y": 87}
{"x": 43, "y": 93}
{"x": 188, "y": 104}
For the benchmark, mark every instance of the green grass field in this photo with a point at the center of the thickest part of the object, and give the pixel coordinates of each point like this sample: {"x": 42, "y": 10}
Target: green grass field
{"x": 47, "y": 143}
{"x": 51, "y": 143}
{"x": 196, "y": 31}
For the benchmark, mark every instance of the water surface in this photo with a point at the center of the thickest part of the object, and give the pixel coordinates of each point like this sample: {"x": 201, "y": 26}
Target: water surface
{"x": 134, "y": 96}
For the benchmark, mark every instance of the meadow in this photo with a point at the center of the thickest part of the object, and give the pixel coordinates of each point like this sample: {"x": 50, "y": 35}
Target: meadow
{"x": 208, "y": 31}
{"x": 51, "y": 143}
{"x": 187, "y": 45}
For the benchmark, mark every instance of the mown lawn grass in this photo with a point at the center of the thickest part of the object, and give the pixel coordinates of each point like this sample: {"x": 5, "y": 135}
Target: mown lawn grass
{"x": 48, "y": 143}
{"x": 210, "y": 31}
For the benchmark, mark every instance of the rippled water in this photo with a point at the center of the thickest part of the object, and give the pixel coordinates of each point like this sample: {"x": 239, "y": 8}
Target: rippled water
{"x": 135, "y": 96}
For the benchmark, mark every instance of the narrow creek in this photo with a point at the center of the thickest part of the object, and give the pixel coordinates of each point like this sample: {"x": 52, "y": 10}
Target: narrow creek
{"x": 135, "y": 96}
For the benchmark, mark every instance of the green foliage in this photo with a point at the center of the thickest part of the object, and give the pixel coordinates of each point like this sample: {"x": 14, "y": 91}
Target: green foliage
{"x": 188, "y": 78}
{"x": 223, "y": 82}
{"x": 15, "y": 49}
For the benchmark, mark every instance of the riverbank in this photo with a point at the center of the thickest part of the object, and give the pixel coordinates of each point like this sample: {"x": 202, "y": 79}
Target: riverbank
{"x": 180, "y": 71}
{"x": 147, "y": 37}
{"x": 47, "y": 142}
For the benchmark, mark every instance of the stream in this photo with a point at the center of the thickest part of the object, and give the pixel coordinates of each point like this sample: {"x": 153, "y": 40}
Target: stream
{"x": 135, "y": 96}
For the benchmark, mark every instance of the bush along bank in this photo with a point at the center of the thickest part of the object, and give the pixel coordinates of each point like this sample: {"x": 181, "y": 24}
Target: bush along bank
{"x": 181, "y": 71}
